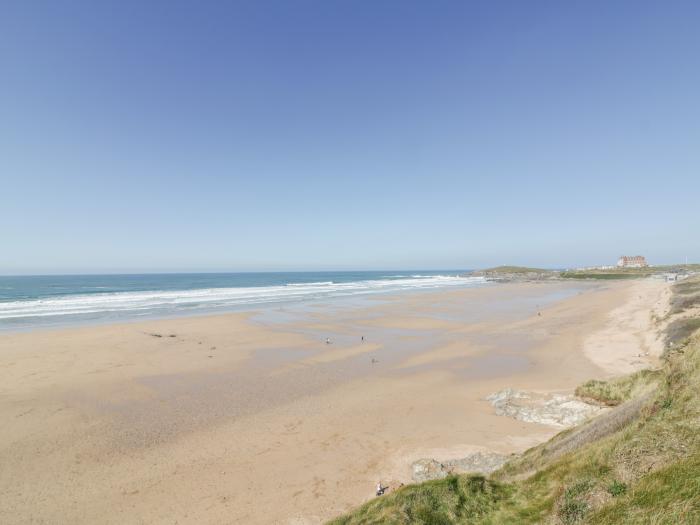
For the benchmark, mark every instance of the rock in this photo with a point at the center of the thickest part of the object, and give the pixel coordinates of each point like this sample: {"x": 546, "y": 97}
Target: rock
{"x": 547, "y": 409}
{"x": 478, "y": 463}
{"x": 425, "y": 469}
{"x": 501, "y": 275}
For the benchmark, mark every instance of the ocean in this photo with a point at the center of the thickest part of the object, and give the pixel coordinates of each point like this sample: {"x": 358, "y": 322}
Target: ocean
{"x": 28, "y": 302}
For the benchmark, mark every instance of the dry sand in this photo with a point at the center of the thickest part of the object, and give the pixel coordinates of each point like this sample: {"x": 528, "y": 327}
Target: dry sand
{"x": 629, "y": 342}
{"x": 246, "y": 418}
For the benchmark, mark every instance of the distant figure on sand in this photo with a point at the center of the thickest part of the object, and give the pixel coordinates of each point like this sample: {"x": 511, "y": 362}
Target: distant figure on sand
{"x": 328, "y": 340}
{"x": 363, "y": 338}
{"x": 380, "y": 489}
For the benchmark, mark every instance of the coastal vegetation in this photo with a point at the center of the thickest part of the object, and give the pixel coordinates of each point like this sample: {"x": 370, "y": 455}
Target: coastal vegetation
{"x": 686, "y": 297}
{"x": 604, "y": 275}
{"x": 627, "y": 273}
{"x": 516, "y": 273}
{"x": 523, "y": 273}
{"x": 514, "y": 269}
{"x": 619, "y": 390}
{"x": 639, "y": 462}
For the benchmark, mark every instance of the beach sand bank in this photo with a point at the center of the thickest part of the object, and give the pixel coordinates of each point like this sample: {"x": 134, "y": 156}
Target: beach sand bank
{"x": 255, "y": 418}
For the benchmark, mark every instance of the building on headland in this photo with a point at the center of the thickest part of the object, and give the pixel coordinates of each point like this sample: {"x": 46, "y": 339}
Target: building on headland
{"x": 635, "y": 261}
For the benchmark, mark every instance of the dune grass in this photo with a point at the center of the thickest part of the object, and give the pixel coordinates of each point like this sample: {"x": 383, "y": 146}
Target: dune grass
{"x": 691, "y": 286}
{"x": 686, "y": 295}
{"x": 616, "y": 391}
{"x": 669, "y": 495}
{"x": 680, "y": 330}
{"x": 450, "y": 500}
{"x": 609, "y": 275}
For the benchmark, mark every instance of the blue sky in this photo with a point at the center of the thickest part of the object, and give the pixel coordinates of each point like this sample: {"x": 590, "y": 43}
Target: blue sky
{"x": 210, "y": 136}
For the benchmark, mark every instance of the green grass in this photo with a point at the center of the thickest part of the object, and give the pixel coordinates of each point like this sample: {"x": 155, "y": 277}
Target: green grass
{"x": 515, "y": 270}
{"x": 616, "y": 391}
{"x": 617, "y": 488}
{"x": 604, "y": 275}
{"x": 669, "y": 495}
{"x": 450, "y": 500}
{"x": 637, "y": 463}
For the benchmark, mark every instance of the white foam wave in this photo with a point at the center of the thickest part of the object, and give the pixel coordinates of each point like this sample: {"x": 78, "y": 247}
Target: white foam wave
{"x": 320, "y": 283}
{"x": 215, "y": 298}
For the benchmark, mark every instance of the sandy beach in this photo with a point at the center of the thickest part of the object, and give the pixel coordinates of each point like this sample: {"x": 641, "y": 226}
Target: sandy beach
{"x": 255, "y": 418}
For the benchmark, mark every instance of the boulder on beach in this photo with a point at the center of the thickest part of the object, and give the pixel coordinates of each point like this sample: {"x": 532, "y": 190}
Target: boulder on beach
{"x": 561, "y": 410}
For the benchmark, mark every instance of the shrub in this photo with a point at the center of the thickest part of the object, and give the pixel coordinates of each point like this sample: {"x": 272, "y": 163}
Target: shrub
{"x": 617, "y": 488}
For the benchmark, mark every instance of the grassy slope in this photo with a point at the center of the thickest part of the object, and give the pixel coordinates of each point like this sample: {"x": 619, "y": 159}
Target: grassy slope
{"x": 686, "y": 296}
{"x": 515, "y": 269}
{"x": 614, "y": 392}
{"x": 639, "y": 463}
{"x": 611, "y": 274}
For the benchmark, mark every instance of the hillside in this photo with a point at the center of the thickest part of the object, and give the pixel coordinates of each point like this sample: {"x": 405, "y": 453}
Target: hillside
{"x": 637, "y": 463}
{"x": 516, "y": 273}
{"x": 514, "y": 269}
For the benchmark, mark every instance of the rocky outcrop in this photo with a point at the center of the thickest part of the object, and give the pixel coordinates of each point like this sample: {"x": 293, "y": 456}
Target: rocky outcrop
{"x": 548, "y": 409}
{"x": 478, "y": 463}
{"x": 523, "y": 277}
{"x": 516, "y": 274}
{"x": 558, "y": 410}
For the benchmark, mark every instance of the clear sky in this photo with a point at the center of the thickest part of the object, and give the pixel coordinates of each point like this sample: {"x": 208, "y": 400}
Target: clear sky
{"x": 226, "y": 136}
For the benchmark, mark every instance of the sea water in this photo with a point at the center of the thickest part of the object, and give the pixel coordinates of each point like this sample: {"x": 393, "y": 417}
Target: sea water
{"x": 38, "y": 301}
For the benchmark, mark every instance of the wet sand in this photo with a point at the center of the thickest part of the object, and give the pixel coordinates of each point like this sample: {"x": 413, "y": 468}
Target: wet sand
{"x": 254, "y": 418}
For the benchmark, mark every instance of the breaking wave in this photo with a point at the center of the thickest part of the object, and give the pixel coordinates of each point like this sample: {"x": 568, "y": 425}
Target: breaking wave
{"x": 162, "y": 302}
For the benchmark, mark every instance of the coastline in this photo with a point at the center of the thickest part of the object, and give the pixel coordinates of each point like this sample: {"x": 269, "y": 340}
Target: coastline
{"x": 29, "y": 303}
{"x": 238, "y": 413}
